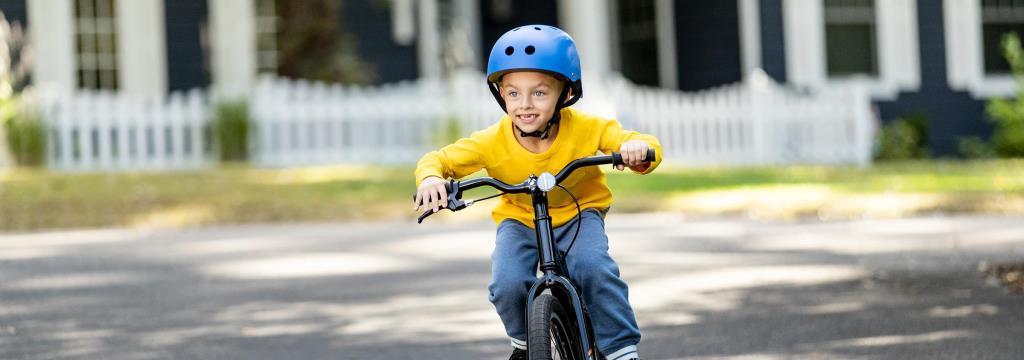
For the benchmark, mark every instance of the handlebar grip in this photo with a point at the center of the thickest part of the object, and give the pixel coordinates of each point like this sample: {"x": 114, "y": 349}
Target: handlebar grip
{"x": 617, "y": 157}
{"x": 447, "y": 190}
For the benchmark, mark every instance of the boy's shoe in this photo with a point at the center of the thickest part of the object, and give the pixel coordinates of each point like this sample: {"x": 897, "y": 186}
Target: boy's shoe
{"x": 518, "y": 354}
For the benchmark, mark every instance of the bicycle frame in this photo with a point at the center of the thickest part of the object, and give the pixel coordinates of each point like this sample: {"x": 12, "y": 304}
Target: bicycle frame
{"x": 555, "y": 277}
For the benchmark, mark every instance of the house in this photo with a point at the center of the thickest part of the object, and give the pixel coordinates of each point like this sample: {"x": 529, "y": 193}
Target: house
{"x": 939, "y": 59}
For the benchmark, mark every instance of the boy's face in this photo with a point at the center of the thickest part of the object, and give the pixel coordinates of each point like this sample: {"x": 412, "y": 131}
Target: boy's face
{"x": 530, "y": 98}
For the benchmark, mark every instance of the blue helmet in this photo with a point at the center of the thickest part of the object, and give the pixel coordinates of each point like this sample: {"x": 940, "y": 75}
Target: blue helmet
{"x": 536, "y": 47}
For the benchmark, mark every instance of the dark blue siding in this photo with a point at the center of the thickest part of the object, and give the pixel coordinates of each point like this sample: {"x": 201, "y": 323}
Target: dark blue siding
{"x": 707, "y": 43}
{"x": 186, "y": 61}
{"x": 951, "y": 114}
{"x": 773, "y": 46}
{"x": 14, "y": 10}
{"x": 523, "y": 12}
{"x": 369, "y": 23}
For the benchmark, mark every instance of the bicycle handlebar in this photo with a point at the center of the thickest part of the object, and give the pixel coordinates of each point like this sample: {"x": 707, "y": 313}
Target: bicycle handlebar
{"x": 455, "y": 188}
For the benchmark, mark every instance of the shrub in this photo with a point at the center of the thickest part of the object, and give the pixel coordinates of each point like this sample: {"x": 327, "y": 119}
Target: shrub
{"x": 231, "y": 127}
{"x": 26, "y": 138}
{"x": 904, "y": 138}
{"x": 1008, "y": 114}
{"x": 975, "y": 148}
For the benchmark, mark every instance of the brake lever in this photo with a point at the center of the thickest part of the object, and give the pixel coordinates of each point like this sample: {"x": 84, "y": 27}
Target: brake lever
{"x": 455, "y": 202}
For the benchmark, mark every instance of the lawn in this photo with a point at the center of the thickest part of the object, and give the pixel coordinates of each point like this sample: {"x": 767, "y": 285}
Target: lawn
{"x": 31, "y": 199}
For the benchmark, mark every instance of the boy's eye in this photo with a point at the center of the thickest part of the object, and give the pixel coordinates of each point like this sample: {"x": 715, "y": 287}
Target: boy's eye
{"x": 539, "y": 93}
{"x": 513, "y": 93}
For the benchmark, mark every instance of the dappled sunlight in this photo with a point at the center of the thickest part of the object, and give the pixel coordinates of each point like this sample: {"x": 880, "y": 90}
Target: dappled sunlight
{"x": 766, "y": 200}
{"x": 893, "y": 340}
{"x": 59, "y": 239}
{"x": 963, "y": 311}
{"x": 888, "y": 205}
{"x": 311, "y": 175}
{"x": 74, "y": 281}
{"x": 667, "y": 290}
{"x": 428, "y": 319}
{"x": 174, "y": 217}
{"x": 233, "y": 246}
{"x": 691, "y": 259}
{"x": 789, "y": 201}
{"x": 28, "y": 253}
{"x": 842, "y": 243}
{"x": 831, "y": 308}
{"x": 454, "y": 246}
{"x": 997, "y": 237}
{"x": 309, "y": 265}
{"x": 914, "y": 226}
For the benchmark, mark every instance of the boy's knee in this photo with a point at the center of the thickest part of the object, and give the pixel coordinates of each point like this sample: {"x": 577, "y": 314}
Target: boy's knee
{"x": 596, "y": 269}
{"x": 508, "y": 288}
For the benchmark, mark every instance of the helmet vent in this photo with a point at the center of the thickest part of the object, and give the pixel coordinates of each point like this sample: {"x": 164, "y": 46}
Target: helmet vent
{"x": 509, "y": 50}
{"x": 536, "y": 28}
{"x": 530, "y": 49}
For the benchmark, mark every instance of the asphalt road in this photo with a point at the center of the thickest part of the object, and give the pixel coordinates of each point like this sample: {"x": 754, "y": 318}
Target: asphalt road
{"x": 734, "y": 289}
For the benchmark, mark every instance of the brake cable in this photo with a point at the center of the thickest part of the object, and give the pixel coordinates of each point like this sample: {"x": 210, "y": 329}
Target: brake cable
{"x": 579, "y": 217}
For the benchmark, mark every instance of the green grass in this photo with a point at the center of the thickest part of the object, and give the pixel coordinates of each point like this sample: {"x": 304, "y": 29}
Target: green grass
{"x": 233, "y": 194}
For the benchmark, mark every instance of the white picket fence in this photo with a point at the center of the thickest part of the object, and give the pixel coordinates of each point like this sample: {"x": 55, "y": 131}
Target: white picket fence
{"x": 299, "y": 123}
{"x": 103, "y": 131}
{"x": 757, "y": 122}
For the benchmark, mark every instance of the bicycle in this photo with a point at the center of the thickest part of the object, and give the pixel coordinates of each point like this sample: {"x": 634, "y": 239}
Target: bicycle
{"x": 556, "y": 310}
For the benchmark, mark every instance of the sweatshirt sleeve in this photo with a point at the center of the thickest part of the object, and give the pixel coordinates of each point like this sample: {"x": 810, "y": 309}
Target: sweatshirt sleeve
{"x": 464, "y": 157}
{"x": 612, "y": 137}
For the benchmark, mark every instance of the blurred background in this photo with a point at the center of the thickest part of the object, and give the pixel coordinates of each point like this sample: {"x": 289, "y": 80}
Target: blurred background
{"x": 197, "y": 112}
{"x": 231, "y": 179}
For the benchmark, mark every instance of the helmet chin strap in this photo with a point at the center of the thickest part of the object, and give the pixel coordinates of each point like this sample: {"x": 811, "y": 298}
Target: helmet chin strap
{"x": 543, "y": 134}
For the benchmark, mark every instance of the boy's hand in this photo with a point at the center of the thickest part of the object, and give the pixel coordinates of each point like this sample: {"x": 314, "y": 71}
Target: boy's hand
{"x": 634, "y": 153}
{"x": 431, "y": 193}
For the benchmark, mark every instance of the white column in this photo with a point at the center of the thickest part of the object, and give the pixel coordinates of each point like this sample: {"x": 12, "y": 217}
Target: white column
{"x": 467, "y": 14}
{"x": 804, "y": 28}
{"x": 52, "y": 35}
{"x": 233, "y": 42}
{"x": 403, "y": 23}
{"x": 898, "y": 52}
{"x": 141, "y": 50}
{"x": 750, "y": 35}
{"x": 668, "y": 66}
{"x": 587, "y": 21}
{"x": 962, "y": 25}
{"x": 429, "y": 47}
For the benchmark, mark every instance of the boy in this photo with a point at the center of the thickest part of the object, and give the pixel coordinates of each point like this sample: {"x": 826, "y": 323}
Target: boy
{"x": 534, "y": 73}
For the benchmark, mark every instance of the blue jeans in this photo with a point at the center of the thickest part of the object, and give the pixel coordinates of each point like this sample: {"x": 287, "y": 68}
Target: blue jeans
{"x": 514, "y": 270}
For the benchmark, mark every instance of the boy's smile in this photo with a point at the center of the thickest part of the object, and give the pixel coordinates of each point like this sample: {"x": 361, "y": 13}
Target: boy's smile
{"x": 530, "y": 97}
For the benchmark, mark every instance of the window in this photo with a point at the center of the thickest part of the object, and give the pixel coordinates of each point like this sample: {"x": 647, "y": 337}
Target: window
{"x": 96, "y": 44}
{"x": 266, "y": 36}
{"x": 638, "y": 41}
{"x": 999, "y": 17}
{"x": 850, "y": 40}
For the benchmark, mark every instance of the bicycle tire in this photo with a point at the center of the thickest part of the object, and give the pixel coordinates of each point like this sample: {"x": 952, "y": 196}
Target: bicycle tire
{"x": 553, "y": 329}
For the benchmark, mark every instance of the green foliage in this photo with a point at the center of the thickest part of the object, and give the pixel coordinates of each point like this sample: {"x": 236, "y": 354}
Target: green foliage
{"x": 450, "y": 132}
{"x": 975, "y": 148}
{"x": 904, "y": 138}
{"x": 26, "y": 138}
{"x": 1008, "y": 114}
{"x": 232, "y": 126}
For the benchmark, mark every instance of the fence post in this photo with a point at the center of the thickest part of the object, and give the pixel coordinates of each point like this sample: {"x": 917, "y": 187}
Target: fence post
{"x": 863, "y": 123}
{"x": 756, "y": 88}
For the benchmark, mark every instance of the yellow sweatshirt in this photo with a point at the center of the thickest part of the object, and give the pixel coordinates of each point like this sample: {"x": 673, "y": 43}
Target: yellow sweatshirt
{"x": 497, "y": 150}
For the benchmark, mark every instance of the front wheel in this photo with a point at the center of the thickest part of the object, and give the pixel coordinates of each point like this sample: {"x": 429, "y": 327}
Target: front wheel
{"x": 553, "y": 333}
